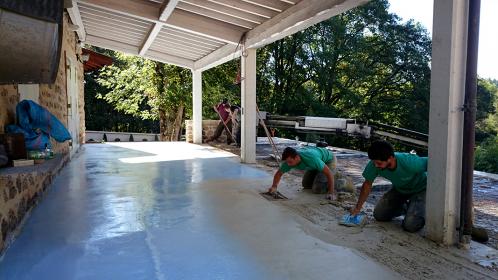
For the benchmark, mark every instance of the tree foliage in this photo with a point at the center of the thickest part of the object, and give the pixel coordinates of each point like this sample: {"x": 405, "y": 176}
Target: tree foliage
{"x": 102, "y": 116}
{"x": 486, "y": 157}
{"x": 362, "y": 64}
{"x": 148, "y": 90}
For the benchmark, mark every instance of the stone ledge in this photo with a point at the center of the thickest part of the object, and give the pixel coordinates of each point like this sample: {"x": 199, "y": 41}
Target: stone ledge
{"x": 20, "y": 190}
{"x": 208, "y": 129}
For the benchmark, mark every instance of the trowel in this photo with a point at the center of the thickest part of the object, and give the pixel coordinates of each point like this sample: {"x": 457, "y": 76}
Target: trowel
{"x": 358, "y": 220}
{"x": 273, "y": 195}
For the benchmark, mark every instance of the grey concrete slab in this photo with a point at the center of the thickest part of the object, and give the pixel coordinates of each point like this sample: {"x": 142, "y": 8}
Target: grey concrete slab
{"x": 170, "y": 211}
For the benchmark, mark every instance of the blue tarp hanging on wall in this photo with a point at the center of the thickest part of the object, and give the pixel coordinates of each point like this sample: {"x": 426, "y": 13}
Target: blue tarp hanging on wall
{"x": 38, "y": 125}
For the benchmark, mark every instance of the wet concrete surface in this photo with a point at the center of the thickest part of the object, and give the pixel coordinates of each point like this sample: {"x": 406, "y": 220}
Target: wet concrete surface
{"x": 415, "y": 257}
{"x": 170, "y": 211}
{"x": 352, "y": 163}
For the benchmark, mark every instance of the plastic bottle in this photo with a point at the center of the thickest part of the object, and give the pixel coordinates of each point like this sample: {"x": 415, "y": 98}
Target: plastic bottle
{"x": 48, "y": 152}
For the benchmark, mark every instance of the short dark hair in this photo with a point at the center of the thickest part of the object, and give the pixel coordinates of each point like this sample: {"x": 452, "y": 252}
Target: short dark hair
{"x": 224, "y": 101}
{"x": 380, "y": 150}
{"x": 289, "y": 152}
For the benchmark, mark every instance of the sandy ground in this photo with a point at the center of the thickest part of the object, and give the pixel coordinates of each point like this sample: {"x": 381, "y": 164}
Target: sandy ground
{"x": 408, "y": 254}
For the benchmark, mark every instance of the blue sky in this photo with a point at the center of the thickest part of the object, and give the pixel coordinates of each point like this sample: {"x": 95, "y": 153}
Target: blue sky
{"x": 421, "y": 11}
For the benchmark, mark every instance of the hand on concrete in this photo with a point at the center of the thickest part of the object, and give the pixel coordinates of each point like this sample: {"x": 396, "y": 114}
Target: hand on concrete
{"x": 331, "y": 196}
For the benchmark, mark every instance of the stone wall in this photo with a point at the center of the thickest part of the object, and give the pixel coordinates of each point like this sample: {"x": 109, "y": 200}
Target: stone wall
{"x": 208, "y": 128}
{"x": 9, "y": 97}
{"x": 21, "y": 187}
{"x": 52, "y": 96}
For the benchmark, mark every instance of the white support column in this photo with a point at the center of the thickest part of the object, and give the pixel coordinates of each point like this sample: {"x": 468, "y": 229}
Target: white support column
{"x": 248, "y": 96}
{"x": 449, "y": 43}
{"x": 197, "y": 106}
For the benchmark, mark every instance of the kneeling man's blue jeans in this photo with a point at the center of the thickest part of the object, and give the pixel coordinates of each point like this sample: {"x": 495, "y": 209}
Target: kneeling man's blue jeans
{"x": 394, "y": 203}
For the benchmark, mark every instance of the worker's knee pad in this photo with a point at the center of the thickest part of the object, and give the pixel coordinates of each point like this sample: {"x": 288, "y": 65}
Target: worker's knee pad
{"x": 308, "y": 179}
{"x": 319, "y": 184}
{"x": 413, "y": 223}
{"x": 382, "y": 213}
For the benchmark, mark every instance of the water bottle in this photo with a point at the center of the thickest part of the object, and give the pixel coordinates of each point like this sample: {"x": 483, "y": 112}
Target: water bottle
{"x": 48, "y": 152}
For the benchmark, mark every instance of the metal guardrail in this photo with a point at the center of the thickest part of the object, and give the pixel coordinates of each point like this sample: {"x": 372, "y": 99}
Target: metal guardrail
{"x": 353, "y": 128}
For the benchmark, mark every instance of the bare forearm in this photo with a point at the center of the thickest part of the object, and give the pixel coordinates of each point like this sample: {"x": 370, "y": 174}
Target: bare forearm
{"x": 276, "y": 179}
{"x": 365, "y": 191}
{"x": 330, "y": 179}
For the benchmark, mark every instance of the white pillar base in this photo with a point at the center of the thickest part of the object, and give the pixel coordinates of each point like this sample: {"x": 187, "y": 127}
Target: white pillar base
{"x": 248, "y": 96}
{"x": 197, "y": 106}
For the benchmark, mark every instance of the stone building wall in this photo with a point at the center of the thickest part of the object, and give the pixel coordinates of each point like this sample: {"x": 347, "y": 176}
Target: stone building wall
{"x": 9, "y": 97}
{"x": 208, "y": 129}
{"x": 20, "y": 190}
{"x": 52, "y": 96}
{"x": 21, "y": 187}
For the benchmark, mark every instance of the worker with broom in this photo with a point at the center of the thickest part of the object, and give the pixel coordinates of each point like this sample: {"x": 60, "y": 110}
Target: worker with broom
{"x": 224, "y": 124}
{"x": 408, "y": 174}
{"x": 319, "y": 164}
{"x": 234, "y": 115}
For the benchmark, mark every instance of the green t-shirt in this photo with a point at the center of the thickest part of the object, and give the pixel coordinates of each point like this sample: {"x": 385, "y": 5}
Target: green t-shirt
{"x": 410, "y": 175}
{"x": 312, "y": 158}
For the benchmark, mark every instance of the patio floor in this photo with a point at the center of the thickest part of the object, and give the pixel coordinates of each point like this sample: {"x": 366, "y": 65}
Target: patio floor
{"x": 170, "y": 211}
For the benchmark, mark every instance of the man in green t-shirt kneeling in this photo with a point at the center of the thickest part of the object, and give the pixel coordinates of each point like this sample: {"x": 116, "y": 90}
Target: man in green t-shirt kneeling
{"x": 408, "y": 175}
{"x": 319, "y": 164}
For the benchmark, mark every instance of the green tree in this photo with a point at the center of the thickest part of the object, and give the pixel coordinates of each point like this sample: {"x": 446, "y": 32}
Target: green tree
{"x": 148, "y": 90}
{"x": 486, "y": 157}
{"x": 219, "y": 83}
{"x": 362, "y": 64}
{"x": 101, "y": 116}
{"x": 487, "y": 106}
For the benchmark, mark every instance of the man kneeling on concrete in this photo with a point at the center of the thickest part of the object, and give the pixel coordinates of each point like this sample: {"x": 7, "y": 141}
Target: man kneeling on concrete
{"x": 319, "y": 164}
{"x": 408, "y": 175}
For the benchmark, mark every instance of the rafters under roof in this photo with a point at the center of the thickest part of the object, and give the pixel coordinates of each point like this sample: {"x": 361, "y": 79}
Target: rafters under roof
{"x": 196, "y": 34}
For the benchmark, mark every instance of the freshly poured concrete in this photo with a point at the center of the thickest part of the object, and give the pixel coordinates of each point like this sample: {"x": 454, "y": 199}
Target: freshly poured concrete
{"x": 170, "y": 211}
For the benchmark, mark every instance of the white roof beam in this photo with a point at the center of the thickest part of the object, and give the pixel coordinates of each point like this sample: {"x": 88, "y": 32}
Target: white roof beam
{"x": 166, "y": 10}
{"x": 219, "y": 56}
{"x": 185, "y": 43}
{"x": 180, "y": 46}
{"x": 150, "y": 38}
{"x": 247, "y": 7}
{"x": 195, "y": 52}
{"x": 75, "y": 16}
{"x": 91, "y": 11}
{"x": 226, "y": 10}
{"x": 276, "y": 5}
{"x": 180, "y": 34}
{"x": 111, "y": 44}
{"x": 170, "y": 59}
{"x": 299, "y": 17}
{"x": 205, "y": 26}
{"x": 216, "y": 15}
{"x": 296, "y": 18}
{"x": 133, "y": 50}
{"x": 96, "y": 21}
{"x": 182, "y": 20}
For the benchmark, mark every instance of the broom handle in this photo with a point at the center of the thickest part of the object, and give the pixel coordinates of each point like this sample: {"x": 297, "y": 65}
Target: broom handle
{"x": 268, "y": 135}
{"x": 226, "y": 127}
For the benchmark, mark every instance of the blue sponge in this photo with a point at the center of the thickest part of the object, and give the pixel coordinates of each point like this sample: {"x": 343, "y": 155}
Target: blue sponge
{"x": 349, "y": 220}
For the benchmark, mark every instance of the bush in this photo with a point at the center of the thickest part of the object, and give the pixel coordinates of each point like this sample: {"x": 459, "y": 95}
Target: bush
{"x": 486, "y": 157}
